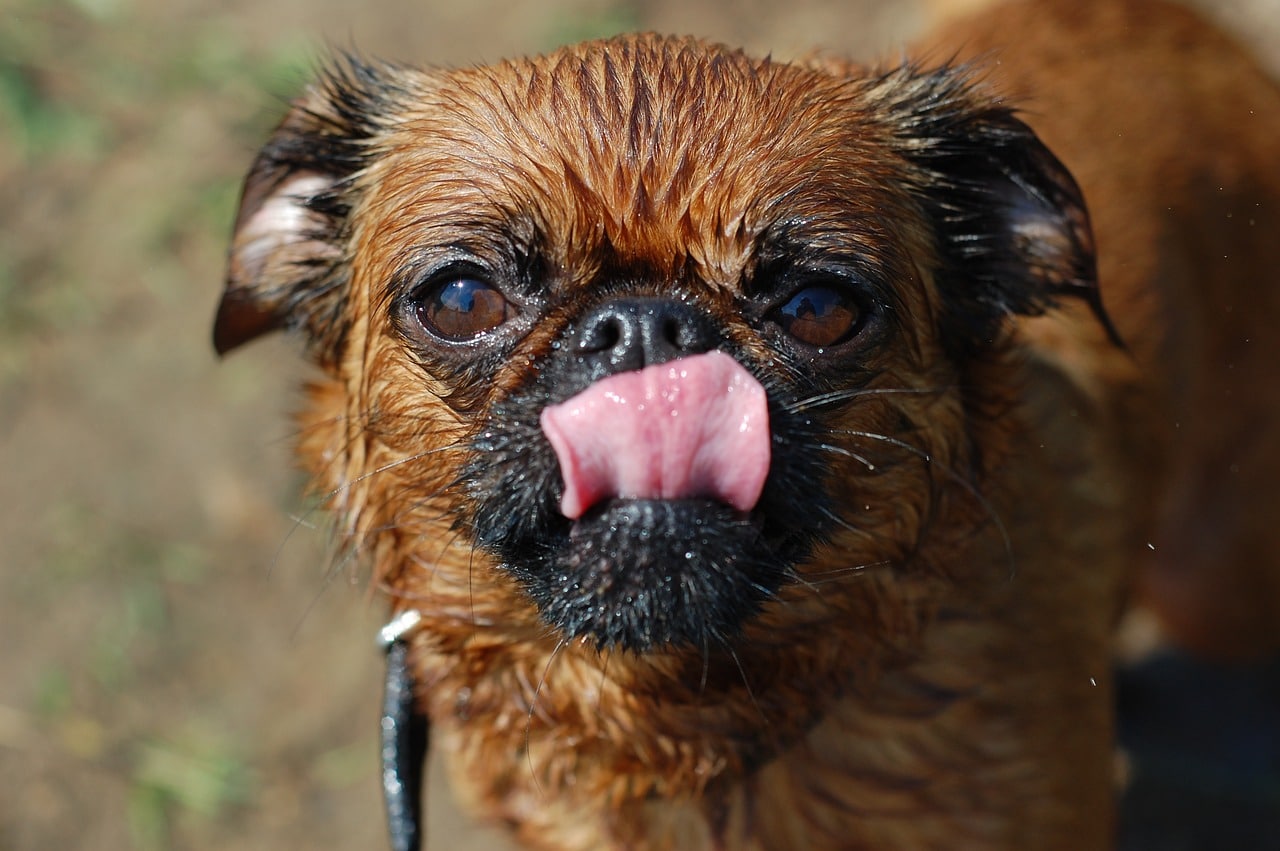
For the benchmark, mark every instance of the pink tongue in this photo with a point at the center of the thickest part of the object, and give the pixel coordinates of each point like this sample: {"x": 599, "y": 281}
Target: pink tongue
{"x": 693, "y": 427}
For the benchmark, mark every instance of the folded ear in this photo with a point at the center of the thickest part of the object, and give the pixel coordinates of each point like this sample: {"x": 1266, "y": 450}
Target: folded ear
{"x": 1012, "y": 229}
{"x": 288, "y": 265}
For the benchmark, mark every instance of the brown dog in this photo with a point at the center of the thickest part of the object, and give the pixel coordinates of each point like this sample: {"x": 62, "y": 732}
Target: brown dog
{"x": 750, "y": 437}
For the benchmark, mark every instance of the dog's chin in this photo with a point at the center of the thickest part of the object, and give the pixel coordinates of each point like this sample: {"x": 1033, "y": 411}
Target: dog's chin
{"x": 644, "y": 574}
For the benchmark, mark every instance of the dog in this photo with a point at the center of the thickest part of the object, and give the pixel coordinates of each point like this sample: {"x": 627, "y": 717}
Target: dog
{"x": 765, "y": 451}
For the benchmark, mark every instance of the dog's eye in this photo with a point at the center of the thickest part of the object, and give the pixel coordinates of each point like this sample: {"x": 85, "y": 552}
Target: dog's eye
{"x": 462, "y": 308}
{"x": 819, "y": 316}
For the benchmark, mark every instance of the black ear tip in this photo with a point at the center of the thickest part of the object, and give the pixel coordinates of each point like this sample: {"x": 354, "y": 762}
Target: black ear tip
{"x": 1093, "y": 298}
{"x": 240, "y": 318}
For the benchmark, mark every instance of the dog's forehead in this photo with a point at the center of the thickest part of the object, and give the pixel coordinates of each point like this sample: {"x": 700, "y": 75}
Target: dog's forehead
{"x": 666, "y": 150}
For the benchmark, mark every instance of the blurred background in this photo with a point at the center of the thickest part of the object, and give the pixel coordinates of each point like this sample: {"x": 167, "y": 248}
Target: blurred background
{"x": 180, "y": 664}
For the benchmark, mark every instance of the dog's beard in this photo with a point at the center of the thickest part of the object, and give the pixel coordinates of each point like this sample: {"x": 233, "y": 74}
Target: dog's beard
{"x": 641, "y": 574}
{"x": 645, "y": 573}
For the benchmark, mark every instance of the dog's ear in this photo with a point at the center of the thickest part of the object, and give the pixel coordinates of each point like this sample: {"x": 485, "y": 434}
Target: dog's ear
{"x": 288, "y": 265}
{"x": 1012, "y": 229}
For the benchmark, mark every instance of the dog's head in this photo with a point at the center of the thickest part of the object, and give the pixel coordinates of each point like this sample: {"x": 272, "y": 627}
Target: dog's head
{"x": 647, "y": 344}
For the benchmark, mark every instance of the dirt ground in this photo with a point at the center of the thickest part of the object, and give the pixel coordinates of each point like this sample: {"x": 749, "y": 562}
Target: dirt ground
{"x": 181, "y": 667}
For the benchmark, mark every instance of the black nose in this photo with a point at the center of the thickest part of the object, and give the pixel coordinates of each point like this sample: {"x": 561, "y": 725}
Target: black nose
{"x": 632, "y": 333}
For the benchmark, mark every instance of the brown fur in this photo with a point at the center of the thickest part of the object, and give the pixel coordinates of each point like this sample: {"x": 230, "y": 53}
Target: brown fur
{"x": 938, "y": 675}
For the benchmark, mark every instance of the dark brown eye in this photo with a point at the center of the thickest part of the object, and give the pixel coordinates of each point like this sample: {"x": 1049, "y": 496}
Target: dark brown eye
{"x": 819, "y": 316}
{"x": 462, "y": 309}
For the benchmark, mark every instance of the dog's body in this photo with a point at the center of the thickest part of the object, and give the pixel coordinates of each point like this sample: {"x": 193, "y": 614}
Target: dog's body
{"x": 900, "y": 639}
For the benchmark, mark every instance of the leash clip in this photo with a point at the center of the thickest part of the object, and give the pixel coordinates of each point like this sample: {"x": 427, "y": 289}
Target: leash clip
{"x": 398, "y": 627}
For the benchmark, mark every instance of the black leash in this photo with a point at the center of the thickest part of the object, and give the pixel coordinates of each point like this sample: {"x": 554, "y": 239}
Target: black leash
{"x": 406, "y": 734}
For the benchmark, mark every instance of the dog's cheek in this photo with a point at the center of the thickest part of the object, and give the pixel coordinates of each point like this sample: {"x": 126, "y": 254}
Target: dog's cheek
{"x": 895, "y": 452}
{"x": 323, "y": 448}
{"x": 512, "y": 479}
{"x": 368, "y": 436}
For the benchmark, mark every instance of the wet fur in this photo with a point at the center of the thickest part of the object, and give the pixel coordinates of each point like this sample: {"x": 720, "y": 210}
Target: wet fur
{"x": 908, "y": 643}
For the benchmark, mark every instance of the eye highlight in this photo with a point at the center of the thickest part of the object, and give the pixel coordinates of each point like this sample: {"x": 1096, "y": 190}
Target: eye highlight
{"x": 819, "y": 316}
{"x": 461, "y": 308}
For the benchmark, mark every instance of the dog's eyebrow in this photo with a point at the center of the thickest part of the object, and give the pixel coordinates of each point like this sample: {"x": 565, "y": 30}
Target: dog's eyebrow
{"x": 513, "y": 252}
{"x": 803, "y": 244}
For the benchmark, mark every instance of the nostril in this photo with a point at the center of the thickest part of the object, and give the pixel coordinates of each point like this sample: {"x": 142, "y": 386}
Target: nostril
{"x": 604, "y": 334}
{"x": 611, "y": 333}
{"x": 672, "y": 332}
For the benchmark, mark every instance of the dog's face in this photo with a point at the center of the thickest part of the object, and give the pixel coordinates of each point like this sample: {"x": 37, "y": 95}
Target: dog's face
{"x": 649, "y": 346}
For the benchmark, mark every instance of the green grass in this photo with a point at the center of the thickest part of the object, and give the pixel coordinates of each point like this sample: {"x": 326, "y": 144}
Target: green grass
{"x": 175, "y": 780}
